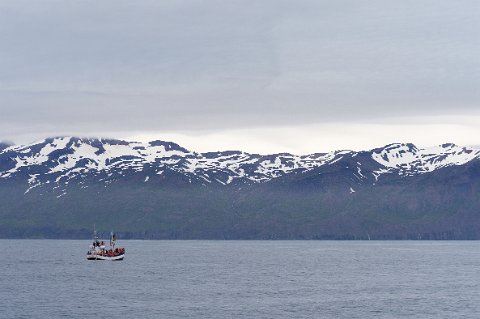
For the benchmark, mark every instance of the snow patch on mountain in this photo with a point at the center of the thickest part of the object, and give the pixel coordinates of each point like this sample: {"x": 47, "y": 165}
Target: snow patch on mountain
{"x": 409, "y": 160}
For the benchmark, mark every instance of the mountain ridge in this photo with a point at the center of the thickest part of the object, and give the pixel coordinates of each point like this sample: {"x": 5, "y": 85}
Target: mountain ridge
{"x": 162, "y": 190}
{"x": 105, "y": 154}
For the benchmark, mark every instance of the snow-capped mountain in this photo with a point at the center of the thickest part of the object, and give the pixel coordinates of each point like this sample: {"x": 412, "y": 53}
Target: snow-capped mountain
{"x": 62, "y": 160}
{"x": 59, "y": 160}
{"x": 60, "y": 187}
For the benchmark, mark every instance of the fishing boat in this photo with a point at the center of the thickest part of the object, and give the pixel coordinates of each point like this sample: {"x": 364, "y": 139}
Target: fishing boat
{"x": 99, "y": 251}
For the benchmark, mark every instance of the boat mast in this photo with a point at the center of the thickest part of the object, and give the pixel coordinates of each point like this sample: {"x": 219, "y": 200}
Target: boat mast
{"x": 112, "y": 240}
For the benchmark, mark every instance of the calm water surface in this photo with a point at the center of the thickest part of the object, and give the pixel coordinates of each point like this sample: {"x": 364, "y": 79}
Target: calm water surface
{"x": 242, "y": 279}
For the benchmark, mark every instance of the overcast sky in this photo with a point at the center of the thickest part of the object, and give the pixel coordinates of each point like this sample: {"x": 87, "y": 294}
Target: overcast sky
{"x": 261, "y": 76}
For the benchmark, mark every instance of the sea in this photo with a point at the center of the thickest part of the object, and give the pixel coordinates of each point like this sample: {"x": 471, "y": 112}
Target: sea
{"x": 242, "y": 279}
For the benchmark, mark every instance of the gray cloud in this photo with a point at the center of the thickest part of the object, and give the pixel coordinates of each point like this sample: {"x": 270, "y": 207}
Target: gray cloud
{"x": 122, "y": 66}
